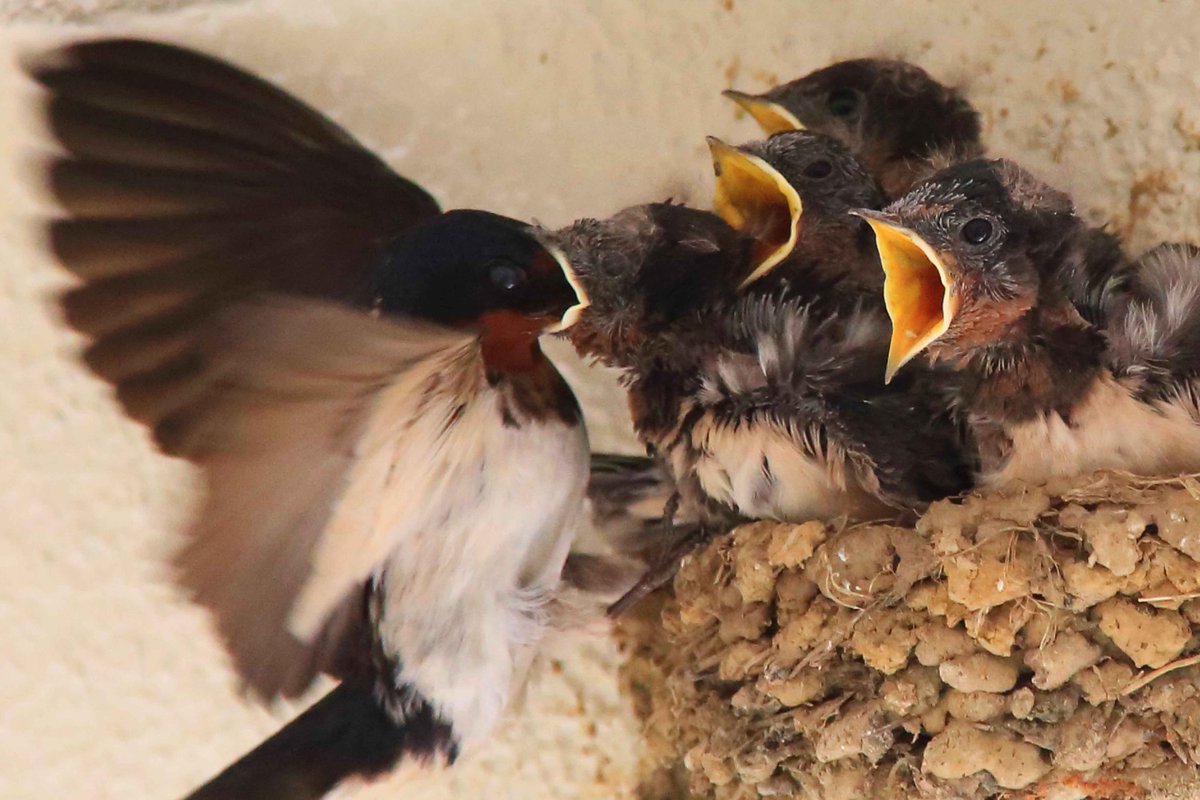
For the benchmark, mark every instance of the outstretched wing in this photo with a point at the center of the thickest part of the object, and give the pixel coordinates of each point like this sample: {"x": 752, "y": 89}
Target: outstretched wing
{"x": 325, "y": 434}
{"x": 188, "y": 185}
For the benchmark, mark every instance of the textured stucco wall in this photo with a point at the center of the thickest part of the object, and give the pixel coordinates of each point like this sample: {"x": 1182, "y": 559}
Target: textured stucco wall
{"x": 109, "y": 685}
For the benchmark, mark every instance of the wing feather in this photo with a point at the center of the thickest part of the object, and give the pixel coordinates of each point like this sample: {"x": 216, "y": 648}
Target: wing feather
{"x": 187, "y": 186}
{"x": 287, "y": 436}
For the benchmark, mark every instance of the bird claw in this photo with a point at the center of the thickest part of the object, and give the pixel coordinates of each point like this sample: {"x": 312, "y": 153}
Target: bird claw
{"x": 661, "y": 571}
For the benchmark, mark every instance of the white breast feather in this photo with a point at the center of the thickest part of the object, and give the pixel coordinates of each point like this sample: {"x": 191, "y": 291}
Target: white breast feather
{"x": 476, "y": 537}
{"x": 1110, "y": 429}
{"x": 730, "y": 468}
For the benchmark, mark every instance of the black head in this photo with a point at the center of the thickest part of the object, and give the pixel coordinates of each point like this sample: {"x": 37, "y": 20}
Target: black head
{"x": 793, "y": 193}
{"x": 887, "y": 112}
{"x": 650, "y": 273}
{"x": 465, "y": 266}
{"x": 967, "y": 253}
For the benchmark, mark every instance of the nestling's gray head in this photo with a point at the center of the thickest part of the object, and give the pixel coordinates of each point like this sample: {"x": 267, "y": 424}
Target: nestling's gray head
{"x": 649, "y": 271}
{"x": 967, "y": 252}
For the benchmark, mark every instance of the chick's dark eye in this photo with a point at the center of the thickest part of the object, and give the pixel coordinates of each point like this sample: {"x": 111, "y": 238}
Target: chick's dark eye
{"x": 818, "y": 170}
{"x": 842, "y": 102}
{"x": 976, "y": 231}
{"x": 506, "y": 276}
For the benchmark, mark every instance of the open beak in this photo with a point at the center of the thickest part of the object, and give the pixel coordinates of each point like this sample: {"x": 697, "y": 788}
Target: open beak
{"x": 771, "y": 117}
{"x": 919, "y": 289}
{"x": 755, "y": 199}
{"x": 572, "y": 314}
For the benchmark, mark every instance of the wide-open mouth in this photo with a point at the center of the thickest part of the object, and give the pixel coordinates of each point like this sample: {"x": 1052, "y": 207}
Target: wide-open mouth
{"x": 918, "y": 290}
{"x": 771, "y": 117}
{"x": 755, "y": 199}
{"x": 572, "y": 314}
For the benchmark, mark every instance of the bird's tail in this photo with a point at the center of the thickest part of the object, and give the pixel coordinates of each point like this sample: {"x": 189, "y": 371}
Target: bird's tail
{"x": 345, "y": 734}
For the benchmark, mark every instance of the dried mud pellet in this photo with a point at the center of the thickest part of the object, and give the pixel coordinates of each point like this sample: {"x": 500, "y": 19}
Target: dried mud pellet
{"x": 778, "y": 786}
{"x": 795, "y": 639}
{"x": 719, "y": 771}
{"x": 1081, "y": 742}
{"x": 794, "y": 591}
{"x": 796, "y": 690}
{"x": 963, "y": 749}
{"x": 975, "y": 706}
{"x": 1056, "y": 663}
{"x": 911, "y": 692}
{"x": 753, "y": 577}
{"x": 1150, "y": 638}
{"x": 1111, "y": 533}
{"x": 754, "y": 765}
{"x": 742, "y": 660}
{"x": 1020, "y": 703}
{"x": 860, "y": 730}
{"x": 1087, "y": 585}
{"x": 746, "y": 622}
{"x": 996, "y": 630}
{"x": 885, "y": 638}
{"x": 1103, "y": 682}
{"x": 1178, "y": 518}
{"x": 937, "y": 642}
{"x": 979, "y": 672}
{"x": 994, "y": 572}
{"x": 792, "y": 545}
{"x": 1127, "y": 739}
{"x": 1051, "y": 690}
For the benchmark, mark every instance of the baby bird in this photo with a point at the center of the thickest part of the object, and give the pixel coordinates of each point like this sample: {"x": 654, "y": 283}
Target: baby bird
{"x": 792, "y": 194}
{"x": 393, "y": 470}
{"x": 891, "y": 114}
{"x": 760, "y": 406}
{"x": 983, "y": 263}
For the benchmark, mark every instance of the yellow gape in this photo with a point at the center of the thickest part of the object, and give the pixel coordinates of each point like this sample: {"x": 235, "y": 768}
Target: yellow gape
{"x": 918, "y": 291}
{"x": 755, "y": 199}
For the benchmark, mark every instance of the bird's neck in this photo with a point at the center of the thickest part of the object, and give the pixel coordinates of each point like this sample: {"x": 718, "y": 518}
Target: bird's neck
{"x": 1045, "y": 363}
{"x": 510, "y": 342}
{"x": 830, "y": 256}
{"x": 902, "y": 168}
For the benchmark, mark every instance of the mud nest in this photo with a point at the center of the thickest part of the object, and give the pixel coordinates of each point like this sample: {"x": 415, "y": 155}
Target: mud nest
{"x": 1039, "y": 643}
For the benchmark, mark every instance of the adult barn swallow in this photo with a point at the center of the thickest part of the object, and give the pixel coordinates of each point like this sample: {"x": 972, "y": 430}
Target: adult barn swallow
{"x": 891, "y": 114}
{"x": 792, "y": 194}
{"x": 982, "y": 262}
{"x": 393, "y": 470}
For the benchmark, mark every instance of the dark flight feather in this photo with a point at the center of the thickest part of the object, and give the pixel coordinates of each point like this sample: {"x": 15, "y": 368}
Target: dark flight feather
{"x": 190, "y": 185}
{"x": 346, "y": 733}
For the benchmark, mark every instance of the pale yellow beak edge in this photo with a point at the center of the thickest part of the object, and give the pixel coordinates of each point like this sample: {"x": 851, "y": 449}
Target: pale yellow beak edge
{"x": 572, "y": 314}
{"x": 752, "y": 197}
{"x": 919, "y": 292}
{"x": 771, "y": 117}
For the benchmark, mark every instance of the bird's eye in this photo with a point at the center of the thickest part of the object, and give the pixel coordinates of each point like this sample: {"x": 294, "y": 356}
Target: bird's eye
{"x": 842, "y": 102}
{"x": 976, "y": 231}
{"x": 506, "y": 276}
{"x": 818, "y": 169}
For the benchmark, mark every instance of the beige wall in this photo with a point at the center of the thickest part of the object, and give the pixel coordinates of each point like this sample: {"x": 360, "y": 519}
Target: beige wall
{"x": 109, "y": 685}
